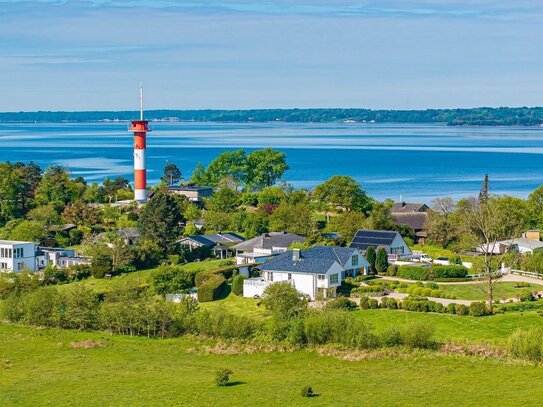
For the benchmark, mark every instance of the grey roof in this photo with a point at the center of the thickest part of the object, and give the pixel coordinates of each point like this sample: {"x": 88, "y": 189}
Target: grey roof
{"x": 129, "y": 233}
{"x": 340, "y": 254}
{"x": 306, "y": 264}
{"x": 523, "y": 242}
{"x": 415, "y": 220}
{"x": 403, "y": 207}
{"x": 269, "y": 240}
{"x": 376, "y": 238}
{"x": 212, "y": 240}
{"x": 190, "y": 188}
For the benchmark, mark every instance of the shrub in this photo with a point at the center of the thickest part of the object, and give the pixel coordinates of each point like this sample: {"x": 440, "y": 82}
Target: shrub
{"x": 342, "y": 303}
{"x": 412, "y": 272}
{"x": 390, "y": 303}
{"x": 392, "y": 270}
{"x": 426, "y": 292}
{"x": 478, "y": 309}
{"x": 526, "y": 295}
{"x": 452, "y": 271}
{"x": 202, "y": 276}
{"x": 381, "y": 260}
{"x": 461, "y": 309}
{"x": 171, "y": 280}
{"x": 223, "y": 377}
{"x": 418, "y": 335}
{"x": 219, "y": 323}
{"x": 212, "y": 288}
{"x": 391, "y": 337}
{"x": 307, "y": 391}
{"x": 527, "y": 344}
{"x": 368, "y": 303}
{"x": 451, "y": 308}
{"x": 237, "y": 284}
{"x": 432, "y": 285}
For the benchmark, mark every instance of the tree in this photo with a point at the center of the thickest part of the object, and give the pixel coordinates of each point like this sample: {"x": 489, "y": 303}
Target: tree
{"x": 284, "y": 301}
{"x": 46, "y": 215}
{"x": 535, "y": 208}
{"x": 217, "y": 221}
{"x": 171, "y": 280}
{"x": 121, "y": 254}
{"x": 161, "y": 219}
{"x": 264, "y": 168}
{"x": 347, "y": 224}
{"x": 491, "y": 223}
{"x": 381, "y": 260}
{"x": 223, "y": 200}
{"x": 271, "y": 196}
{"x": 172, "y": 174}
{"x": 193, "y": 213}
{"x": 380, "y": 217}
{"x": 229, "y": 163}
{"x": 198, "y": 175}
{"x": 81, "y": 214}
{"x": 370, "y": 257}
{"x": 292, "y": 218}
{"x": 55, "y": 188}
{"x": 343, "y": 192}
{"x": 82, "y": 308}
{"x": 485, "y": 190}
{"x": 29, "y": 231}
{"x": 11, "y": 192}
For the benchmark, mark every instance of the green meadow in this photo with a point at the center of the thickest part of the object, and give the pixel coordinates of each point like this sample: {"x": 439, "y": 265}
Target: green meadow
{"x": 41, "y": 367}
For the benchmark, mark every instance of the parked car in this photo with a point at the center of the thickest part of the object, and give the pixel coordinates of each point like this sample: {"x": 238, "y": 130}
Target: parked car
{"x": 442, "y": 261}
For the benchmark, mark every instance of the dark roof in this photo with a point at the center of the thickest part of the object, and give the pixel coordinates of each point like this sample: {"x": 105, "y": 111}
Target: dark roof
{"x": 269, "y": 240}
{"x": 376, "y": 238}
{"x": 415, "y": 221}
{"x": 340, "y": 254}
{"x": 189, "y": 188}
{"x": 212, "y": 240}
{"x": 403, "y": 207}
{"x": 306, "y": 264}
{"x": 129, "y": 233}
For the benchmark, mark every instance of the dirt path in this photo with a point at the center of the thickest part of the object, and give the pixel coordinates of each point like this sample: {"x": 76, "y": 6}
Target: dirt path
{"x": 505, "y": 278}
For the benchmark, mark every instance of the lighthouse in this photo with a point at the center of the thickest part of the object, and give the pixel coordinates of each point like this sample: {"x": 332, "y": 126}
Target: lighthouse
{"x": 140, "y": 129}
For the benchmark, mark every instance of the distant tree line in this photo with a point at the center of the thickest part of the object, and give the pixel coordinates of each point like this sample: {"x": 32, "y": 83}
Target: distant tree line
{"x": 480, "y": 116}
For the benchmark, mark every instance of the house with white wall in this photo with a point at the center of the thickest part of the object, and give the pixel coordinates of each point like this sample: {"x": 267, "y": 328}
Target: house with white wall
{"x": 389, "y": 240}
{"x": 17, "y": 256}
{"x": 316, "y": 272}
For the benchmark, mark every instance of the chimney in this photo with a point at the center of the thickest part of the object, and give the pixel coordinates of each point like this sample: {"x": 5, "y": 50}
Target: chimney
{"x": 295, "y": 255}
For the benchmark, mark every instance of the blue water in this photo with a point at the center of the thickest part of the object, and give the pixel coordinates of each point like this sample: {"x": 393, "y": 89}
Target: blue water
{"x": 418, "y": 161}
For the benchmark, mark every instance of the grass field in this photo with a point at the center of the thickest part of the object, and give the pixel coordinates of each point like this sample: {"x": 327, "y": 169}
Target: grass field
{"x": 474, "y": 292}
{"x": 142, "y": 277}
{"x": 40, "y": 368}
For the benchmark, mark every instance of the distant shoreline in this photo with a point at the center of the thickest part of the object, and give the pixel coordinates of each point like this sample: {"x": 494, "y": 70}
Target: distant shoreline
{"x": 484, "y": 116}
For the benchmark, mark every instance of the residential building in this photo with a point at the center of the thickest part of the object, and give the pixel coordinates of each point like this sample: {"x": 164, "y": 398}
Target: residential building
{"x": 17, "y": 256}
{"x": 389, "y": 240}
{"x": 58, "y": 257}
{"x": 414, "y": 215}
{"x": 260, "y": 248}
{"x": 192, "y": 192}
{"x": 220, "y": 244}
{"x": 131, "y": 236}
{"x": 316, "y": 272}
{"x": 519, "y": 245}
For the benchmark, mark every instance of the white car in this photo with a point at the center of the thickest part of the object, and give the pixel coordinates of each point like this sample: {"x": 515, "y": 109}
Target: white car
{"x": 442, "y": 261}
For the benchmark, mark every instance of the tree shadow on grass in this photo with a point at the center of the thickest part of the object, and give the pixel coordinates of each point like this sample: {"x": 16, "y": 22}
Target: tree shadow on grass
{"x": 225, "y": 292}
{"x": 234, "y": 383}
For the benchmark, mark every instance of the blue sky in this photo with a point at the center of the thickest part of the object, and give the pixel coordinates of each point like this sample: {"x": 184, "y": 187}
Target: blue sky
{"x": 397, "y": 54}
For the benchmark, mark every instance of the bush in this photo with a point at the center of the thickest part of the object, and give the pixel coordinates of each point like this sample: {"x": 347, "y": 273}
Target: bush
{"x": 307, "y": 391}
{"x": 368, "y": 303}
{"x": 526, "y": 295}
{"x": 461, "y": 309}
{"x": 219, "y": 323}
{"x": 418, "y": 335}
{"x": 478, "y": 309}
{"x": 412, "y": 272}
{"x": 342, "y": 303}
{"x": 392, "y": 270}
{"x": 390, "y": 303}
{"x": 527, "y": 344}
{"x": 223, "y": 377}
{"x": 171, "y": 280}
{"x": 237, "y": 284}
{"x": 391, "y": 337}
{"x": 451, "y": 308}
{"x": 452, "y": 271}
{"x": 212, "y": 289}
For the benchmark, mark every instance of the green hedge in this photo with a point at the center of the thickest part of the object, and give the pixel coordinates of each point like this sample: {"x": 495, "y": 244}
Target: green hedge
{"x": 237, "y": 284}
{"x": 432, "y": 273}
{"x": 212, "y": 289}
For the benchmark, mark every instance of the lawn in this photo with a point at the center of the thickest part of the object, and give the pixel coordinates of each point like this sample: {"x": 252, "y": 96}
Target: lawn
{"x": 495, "y": 328}
{"x": 39, "y": 367}
{"x": 474, "y": 292}
{"x": 238, "y": 305}
{"x": 141, "y": 277}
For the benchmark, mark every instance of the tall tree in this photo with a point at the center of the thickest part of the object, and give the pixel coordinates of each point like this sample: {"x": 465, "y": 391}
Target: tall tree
{"x": 264, "y": 168}
{"x": 199, "y": 175}
{"x": 485, "y": 190}
{"x": 223, "y": 200}
{"x": 343, "y": 192}
{"x": 292, "y": 218}
{"x": 229, "y": 163}
{"x": 161, "y": 219}
{"x": 172, "y": 174}
{"x": 370, "y": 257}
{"x": 55, "y": 188}
{"x": 381, "y": 260}
{"x": 347, "y": 224}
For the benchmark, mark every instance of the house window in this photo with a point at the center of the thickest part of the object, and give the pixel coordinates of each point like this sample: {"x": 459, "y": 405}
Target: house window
{"x": 321, "y": 277}
{"x": 21, "y": 265}
{"x": 289, "y": 276}
{"x": 334, "y": 279}
{"x": 397, "y": 250}
{"x": 3, "y": 266}
{"x": 270, "y": 276}
{"x": 355, "y": 260}
{"x": 19, "y": 253}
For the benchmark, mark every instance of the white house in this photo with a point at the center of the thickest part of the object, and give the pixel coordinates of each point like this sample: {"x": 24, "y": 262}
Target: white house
{"x": 389, "y": 240}
{"x": 519, "y": 245}
{"x": 17, "y": 256}
{"x": 316, "y": 272}
{"x": 59, "y": 257}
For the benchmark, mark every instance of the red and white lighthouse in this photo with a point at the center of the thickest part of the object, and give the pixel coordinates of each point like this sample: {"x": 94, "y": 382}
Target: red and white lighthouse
{"x": 140, "y": 129}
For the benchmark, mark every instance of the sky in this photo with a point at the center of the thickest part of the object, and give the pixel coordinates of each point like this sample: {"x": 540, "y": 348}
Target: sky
{"x": 242, "y": 54}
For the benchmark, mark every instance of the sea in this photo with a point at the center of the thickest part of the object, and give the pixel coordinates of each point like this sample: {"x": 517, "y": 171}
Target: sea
{"x": 413, "y": 162}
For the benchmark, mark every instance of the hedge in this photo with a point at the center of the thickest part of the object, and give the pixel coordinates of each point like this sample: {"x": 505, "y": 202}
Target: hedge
{"x": 237, "y": 284}
{"x": 212, "y": 288}
{"x": 432, "y": 273}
